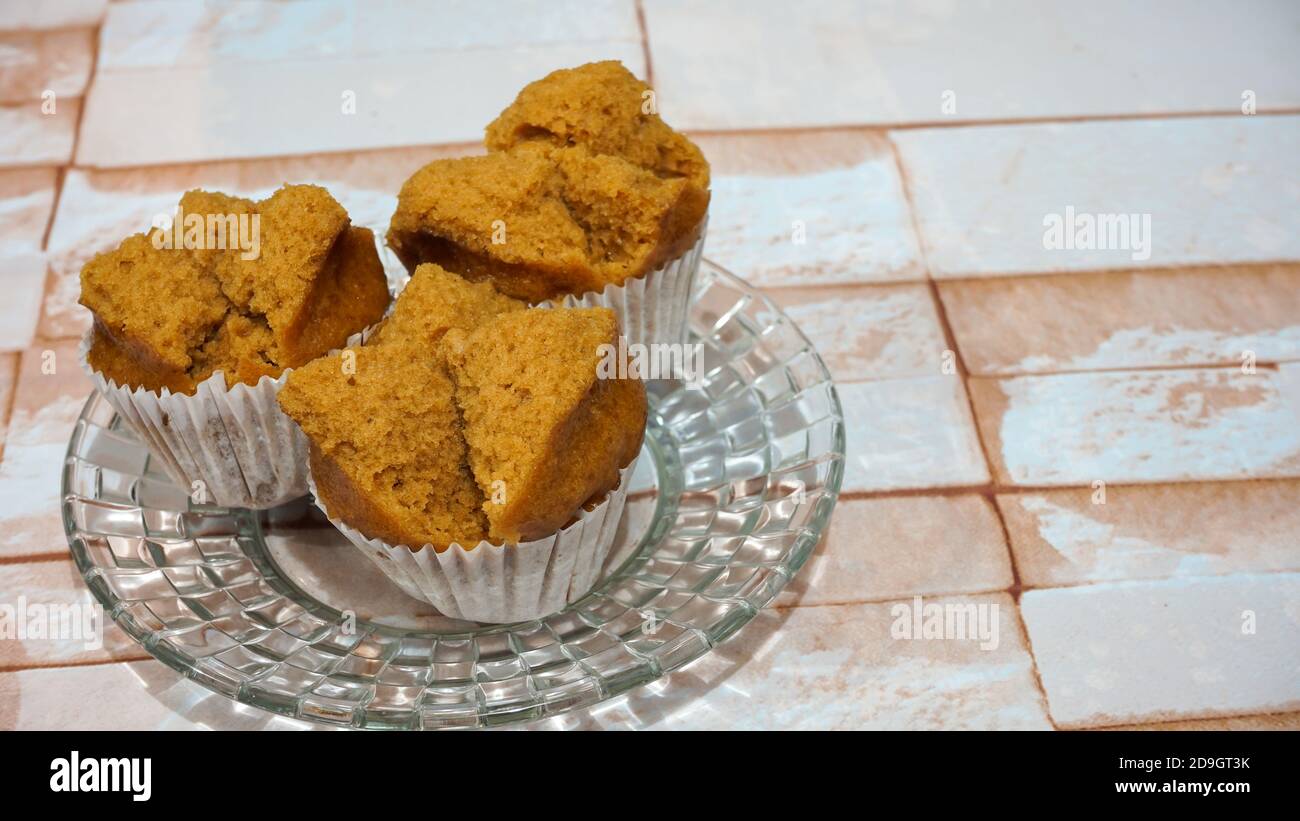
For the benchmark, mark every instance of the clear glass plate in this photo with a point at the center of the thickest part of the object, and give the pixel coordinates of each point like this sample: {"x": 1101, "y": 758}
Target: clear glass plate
{"x": 734, "y": 488}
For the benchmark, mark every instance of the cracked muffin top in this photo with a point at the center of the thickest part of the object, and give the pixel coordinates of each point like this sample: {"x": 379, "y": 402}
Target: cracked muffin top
{"x": 243, "y": 287}
{"x": 541, "y": 221}
{"x": 605, "y": 108}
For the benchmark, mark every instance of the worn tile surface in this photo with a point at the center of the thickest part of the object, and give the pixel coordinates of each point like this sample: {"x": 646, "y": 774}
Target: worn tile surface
{"x": 872, "y": 332}
{"x": 891, "y": 547}
{"x": 1158, "y": 651}
{"x": 344, "y": 104}
{"x": 849, "y": 672}
{"x": 1135, "y": 426}
{"x": 1130, "y": 319}
{"x": 29, "y": 136}
{"x": 1210, "y": 190}
{"x": 811, "y": 208}
{"x": 45, "y": 408}
{"x": 31, "y": 15}
{"x": 745, "y": 64}
{"x": 1076, "y": 536}
{"x": 33, "y": 64}
{"x": 910, "y": 433}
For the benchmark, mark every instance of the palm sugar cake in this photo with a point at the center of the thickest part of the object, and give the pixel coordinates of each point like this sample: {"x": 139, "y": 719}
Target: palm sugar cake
{"x": 169, "y": 317}
{"x": 435, "y": 300}
{"x": 545, "y": 433}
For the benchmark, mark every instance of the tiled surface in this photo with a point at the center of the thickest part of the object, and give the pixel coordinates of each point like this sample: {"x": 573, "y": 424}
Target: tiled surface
{"x": 1141, "y": 426}
{"x": 869, "y": 332}
{"x": 816, "y": 208}
{"x": 890, "y": 547}
{"x": 45, "y": 408}
{"x": 34, "y": 63}
{"x": 1080, "y": 535}
{"x": 981, "y": 407}
{"x": 1156, "y": 651}
{"x": 1129, "y": 319}
{"x": 910, "y": 433}
{"x": 1214, "y": 190}
{"x": 404, "y": 84}
{"x": 747, "y": 64}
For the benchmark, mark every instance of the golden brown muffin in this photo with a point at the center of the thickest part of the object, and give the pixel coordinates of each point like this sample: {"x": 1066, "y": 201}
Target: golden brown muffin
{"x": 169, "y": 317}
{"x": 604, "y": 107}
{"x": 435, "y": 300}
{"x": 387, "y": 453}
{"x": 541, "y": 221}
{"x": 545, "y": 434}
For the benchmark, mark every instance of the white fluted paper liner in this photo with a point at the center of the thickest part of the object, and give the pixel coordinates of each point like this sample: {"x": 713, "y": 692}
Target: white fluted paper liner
{"x": 653, "y": 308}
{"x": 501, "y": 583}
{"x": 236, "y": 441}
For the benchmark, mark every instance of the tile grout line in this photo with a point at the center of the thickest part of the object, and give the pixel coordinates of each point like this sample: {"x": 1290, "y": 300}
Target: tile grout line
{"x": 950, "y": 340}
{"x": 645, "y": 44}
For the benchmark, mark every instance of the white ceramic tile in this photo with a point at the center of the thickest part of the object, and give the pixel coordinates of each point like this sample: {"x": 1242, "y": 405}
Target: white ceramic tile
{"x": 33, "y": 63}
{"x": 185, "y": 33}
{"x": 36, "y": 589}
{"x": 819, "y": 208}
{"x": 839, "y": 668}
{"x": 1214, "y": 190}
{"x": 28, "y": 136}
{"x": 888, "y": 548}
{"x": 1157, "y": 651}
{"x": 910, "y": 433}
{"x": 48, "y": 14}
{"x": 142, "y": 695}
{"x": 1074, "y": 536}
{"x": 1156, "y": 426}
{"x": 1130, "y": 319}
{"x": 765, "y": 64}
{"x": 869, "y": 332}
{"x": 400, "y": 100}
{"x": 98, "y": 208}
{"x": 26, "y": 199}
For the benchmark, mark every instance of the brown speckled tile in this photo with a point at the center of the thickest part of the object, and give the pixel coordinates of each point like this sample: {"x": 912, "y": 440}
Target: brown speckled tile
{"x": 814, "y": 208}
{"x": 1272, "y": 721}
{"x": 869, "y": 332}
{"x": 28, "y": 15}
{"x": 39, "y": 588}
{"x": 33, "y": 63}
{"x": 891, "y": 547}
{"x": 45, "y": 409}
{"x": 26, "y": 199}
{"x": 1129, "y": 319}
{"x": 1075, "y": 536}
{"x": 1139, "y": 652}
{"x": 839, "y": 668}
{"x": 1140, "y": 426}
{"x": 1217, "y": 190}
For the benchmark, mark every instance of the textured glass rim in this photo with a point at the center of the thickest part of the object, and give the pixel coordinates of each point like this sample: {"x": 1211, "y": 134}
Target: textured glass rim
{"x": 807, "y": 540}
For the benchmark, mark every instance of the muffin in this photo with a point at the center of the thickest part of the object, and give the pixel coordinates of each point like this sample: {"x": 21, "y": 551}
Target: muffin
{"x": 474, "y": 454}
{"x": 191, "y": 339}
{"x": 585, "y": 196}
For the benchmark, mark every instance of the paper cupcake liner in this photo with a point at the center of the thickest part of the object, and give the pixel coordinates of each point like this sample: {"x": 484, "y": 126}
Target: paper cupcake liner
{"x": 236, "y": 441}
{"x": 653, "y": 308}
{"x": 501, "y": 583}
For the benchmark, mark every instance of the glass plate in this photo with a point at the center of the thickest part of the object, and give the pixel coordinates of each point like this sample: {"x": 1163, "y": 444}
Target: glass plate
{"x": 275, "y": 609}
